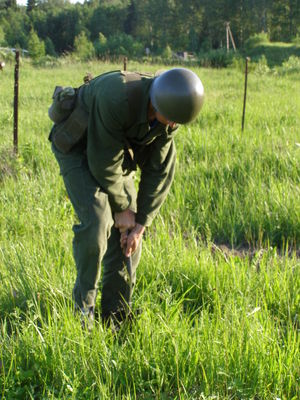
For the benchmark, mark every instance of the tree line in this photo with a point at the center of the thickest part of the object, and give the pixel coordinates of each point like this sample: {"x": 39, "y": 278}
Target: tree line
{"x": 130, "y": 27}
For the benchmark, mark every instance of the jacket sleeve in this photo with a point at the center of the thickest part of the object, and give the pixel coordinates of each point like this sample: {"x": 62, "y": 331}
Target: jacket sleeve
{"x": 157, "y": 174}
{"x": 105, "y": 149}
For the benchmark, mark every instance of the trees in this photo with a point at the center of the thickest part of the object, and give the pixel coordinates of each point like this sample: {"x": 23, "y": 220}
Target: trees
{"x": 108, "y": 19}
{"x": 100, "y": 46}
{"x": 16, "y": 26}
{"x": 49, "y": 47}
{"x": 83, "y": 48}
{"x": 31, "y": 4}
{"x": 285, "y": 19}
{"x": 36, "y": 47}
{"x": 183, "y": 25}
{"x": 2, "y": 37}
{"x": 61, "y": 25}
{"x": 10, "y": 3}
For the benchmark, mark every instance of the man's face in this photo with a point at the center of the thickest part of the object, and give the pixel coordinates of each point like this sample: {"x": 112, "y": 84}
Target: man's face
{"x": 164, "y": 120}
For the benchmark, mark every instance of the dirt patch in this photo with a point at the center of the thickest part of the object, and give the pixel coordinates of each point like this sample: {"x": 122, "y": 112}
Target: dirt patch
{"x": 8, "y": 164}
{"x": 250, "y": 252}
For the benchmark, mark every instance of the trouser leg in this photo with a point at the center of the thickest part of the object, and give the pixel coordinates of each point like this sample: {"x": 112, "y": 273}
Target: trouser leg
{"x": 116, "y": 290}
{"x": 89, "y": 246}
{"x": 95, "y": 221}
{"x": 95, "y": 238}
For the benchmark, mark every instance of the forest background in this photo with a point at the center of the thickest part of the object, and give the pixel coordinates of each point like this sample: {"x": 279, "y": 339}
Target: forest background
{"x": 159, "y": 29}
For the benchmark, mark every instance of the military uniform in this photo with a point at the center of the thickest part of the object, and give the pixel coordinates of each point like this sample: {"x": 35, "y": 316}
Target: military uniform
{"x": 98, "y": 173}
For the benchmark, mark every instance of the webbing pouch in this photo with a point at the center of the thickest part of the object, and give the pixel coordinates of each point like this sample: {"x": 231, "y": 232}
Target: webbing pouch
{"x": 64, "y": 100}
{"x": 69, "y": 132}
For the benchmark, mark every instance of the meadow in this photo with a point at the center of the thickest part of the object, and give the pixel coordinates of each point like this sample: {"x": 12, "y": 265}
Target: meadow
{"x": 218, "y": 283}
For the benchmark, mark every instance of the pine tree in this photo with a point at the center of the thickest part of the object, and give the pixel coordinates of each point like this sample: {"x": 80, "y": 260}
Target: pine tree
{"x": 2, "y": 37}
{"x": 10, "y": 3}
{"x": 36, "y": 47}
{"x": 100, "y": 45}
{"x": 31, "y": 4}
{"x": 49, "y": 47}
{"x": 84, "y": 49}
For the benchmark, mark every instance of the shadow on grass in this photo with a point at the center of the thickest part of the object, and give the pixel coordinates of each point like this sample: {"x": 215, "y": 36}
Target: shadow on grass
{"x": 233, "y": 276}
{"x": 20, "y": 306}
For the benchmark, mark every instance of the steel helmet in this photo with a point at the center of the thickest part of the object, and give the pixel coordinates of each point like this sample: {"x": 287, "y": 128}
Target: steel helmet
{"x": 177, "y": 94}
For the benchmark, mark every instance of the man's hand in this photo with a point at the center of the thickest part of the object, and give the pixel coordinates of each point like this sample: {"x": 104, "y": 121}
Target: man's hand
{"x": 130, "y": 240}
{"x": 125, "y": 220}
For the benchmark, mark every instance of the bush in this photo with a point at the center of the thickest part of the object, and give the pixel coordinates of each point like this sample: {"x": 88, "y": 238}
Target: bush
{"x": 36, "y": 47}
{"x": 216, "y": 58}
{"x": 292, "y": 65}
{"x": 7, "y": 56}
{"x": 239, "y": 63}
{"x": 124, "y": 45}
{"x": 47, "y": 61}
{"x": 206, "y": 45}
{"x": 296, "y": 40}
{"x": 100, "y": 46}
{"x": 49, "y": 46}
{"x": 2, "y": 37}
{"x": 256, "y": 40}
{"x": 166, "y": 52}
{"x": 261, "y": 67}
{"x": 83, "y": 48}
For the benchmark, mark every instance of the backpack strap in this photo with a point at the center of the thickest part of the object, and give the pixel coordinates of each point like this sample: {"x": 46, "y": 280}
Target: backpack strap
{"x": 134, "y": 91}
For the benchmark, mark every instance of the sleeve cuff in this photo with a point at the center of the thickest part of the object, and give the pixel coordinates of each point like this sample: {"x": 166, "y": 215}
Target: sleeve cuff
{"x": 117, "y": 207}
{"x": 143, "y": 219}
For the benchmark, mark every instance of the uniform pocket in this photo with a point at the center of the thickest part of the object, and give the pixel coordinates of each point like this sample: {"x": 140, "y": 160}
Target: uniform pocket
{"x": 68, "y": 133}
{"x": 69, "y": 161}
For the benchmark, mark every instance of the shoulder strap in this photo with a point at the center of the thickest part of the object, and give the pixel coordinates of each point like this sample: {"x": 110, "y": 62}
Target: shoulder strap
{"x": 134, "y": 93}
{"x": 134, "y": 90}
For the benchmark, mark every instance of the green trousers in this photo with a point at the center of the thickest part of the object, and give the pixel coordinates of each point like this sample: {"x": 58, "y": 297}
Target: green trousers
{"x": 96, "y": 239}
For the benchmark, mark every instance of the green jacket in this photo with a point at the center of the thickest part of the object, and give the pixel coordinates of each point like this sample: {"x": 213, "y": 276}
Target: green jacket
{"x": 112, "y": 129}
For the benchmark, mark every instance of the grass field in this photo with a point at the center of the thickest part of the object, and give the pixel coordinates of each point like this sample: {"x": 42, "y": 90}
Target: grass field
{"x": 218, "y": 282}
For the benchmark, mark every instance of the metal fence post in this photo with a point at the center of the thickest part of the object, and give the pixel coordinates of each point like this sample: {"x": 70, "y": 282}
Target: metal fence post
{"x": 245, "y": 92}
{"x": 16, "y": 102}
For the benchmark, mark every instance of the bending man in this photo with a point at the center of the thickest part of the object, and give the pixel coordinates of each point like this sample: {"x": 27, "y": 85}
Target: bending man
{"x": 117, "y": 122}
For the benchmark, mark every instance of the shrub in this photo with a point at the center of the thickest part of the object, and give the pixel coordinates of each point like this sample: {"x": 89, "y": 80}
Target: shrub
{"x": 166, "y": 52}
{"x": 47, "y": 61}
{"x": 49, "y": 46}
{"x": 296, "y": 40}
{"x": 36, "y": 47}
{"x": 216, "y": 58}
{"x": 256, "y": 40}
{"x": 100, "y": 45}
{"x": 206, "y": 45}
{"x": 83, "y": 48}
{"x": 261, "y": 67}
{"x": 7, "y": 56}
{"x": 292, "y": 65}
{"x": 238, "y": 62}
{"x": 124, "y": 45}
{"x": 2, "y": 37}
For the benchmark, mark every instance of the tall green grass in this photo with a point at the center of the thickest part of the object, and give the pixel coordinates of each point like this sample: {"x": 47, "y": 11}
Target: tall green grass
{"x": 219, "y": 278}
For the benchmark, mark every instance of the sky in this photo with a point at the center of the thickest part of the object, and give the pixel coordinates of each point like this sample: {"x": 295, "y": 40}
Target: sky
{"x": 24, "y": 2}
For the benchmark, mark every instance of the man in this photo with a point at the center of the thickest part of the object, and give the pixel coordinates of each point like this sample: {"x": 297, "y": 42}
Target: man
{"x": 130, "y": 121}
